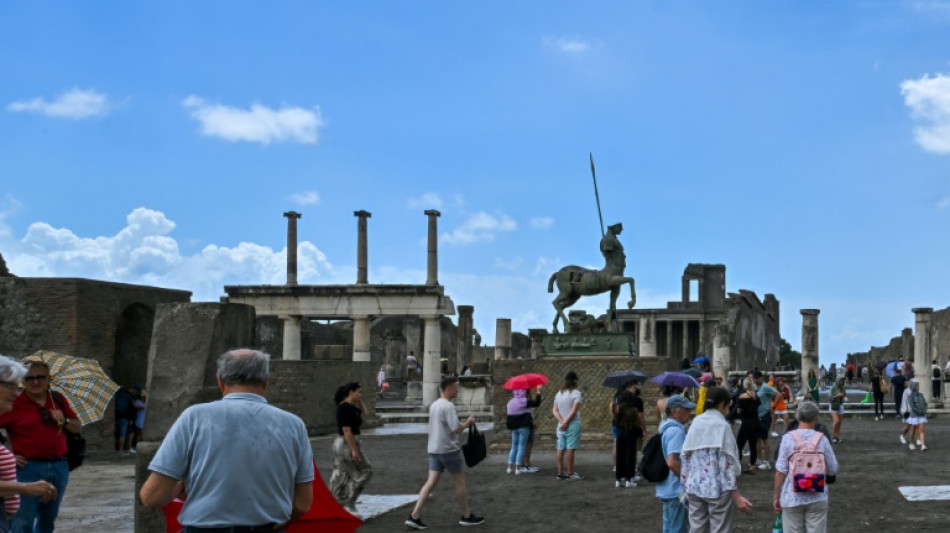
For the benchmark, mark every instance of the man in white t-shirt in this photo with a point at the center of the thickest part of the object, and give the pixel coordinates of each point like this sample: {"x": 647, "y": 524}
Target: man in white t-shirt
{"x": 445, "y": 453}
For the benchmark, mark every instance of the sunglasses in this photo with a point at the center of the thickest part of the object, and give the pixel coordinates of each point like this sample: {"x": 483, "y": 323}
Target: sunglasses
{"x": 12, "y": 387}
{"x": 29, "y": 379}
{"x": 47, "y": 418}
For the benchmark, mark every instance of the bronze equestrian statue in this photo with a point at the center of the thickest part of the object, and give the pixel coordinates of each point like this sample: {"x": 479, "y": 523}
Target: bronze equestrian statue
{"x": 574, "y": 281}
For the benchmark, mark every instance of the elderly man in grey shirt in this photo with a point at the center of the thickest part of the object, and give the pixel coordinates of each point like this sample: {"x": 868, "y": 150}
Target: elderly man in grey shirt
{"x": 206, "y": 452}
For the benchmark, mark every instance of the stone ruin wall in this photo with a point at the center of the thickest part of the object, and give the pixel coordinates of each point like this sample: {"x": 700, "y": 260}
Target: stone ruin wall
{"x": 753, "y": 331}
{"x": 903, "y": 345}
{"x": 591, "y": 371}
{"x": 83, "y": 318}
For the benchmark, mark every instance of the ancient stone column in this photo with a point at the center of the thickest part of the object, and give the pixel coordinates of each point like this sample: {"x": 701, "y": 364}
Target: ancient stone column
{"x": 361, "y": 338}
{"x": 669, "y": 339}
{"x": 502, "y": 338}
{"x": 432, "y": 351}
{"x": 686, "y": 340}
{"x": 922, "y": 316}
{"x": 809, "y": 343}
{"x": 432, "y": 263}
{"x": 292, "y": 217}
{"x": 361, "y": 247}
{"x": 646, "y": 343}
{"x": 291, "y": 337}
{"x": 464, "y": 336}
{"x": 722, "y": 353}
{"x": 537, "y": 338}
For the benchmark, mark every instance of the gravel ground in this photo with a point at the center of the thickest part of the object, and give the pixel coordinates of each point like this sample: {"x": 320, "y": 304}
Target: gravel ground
{"x": 873, "y": 466}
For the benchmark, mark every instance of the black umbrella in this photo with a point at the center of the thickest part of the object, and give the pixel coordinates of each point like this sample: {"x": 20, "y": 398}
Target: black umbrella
{"x": 619, "y": 379}
{"x": 693, "y": 372}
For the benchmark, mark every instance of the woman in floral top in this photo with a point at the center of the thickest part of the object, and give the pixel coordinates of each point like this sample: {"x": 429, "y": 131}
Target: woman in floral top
{"x": 710, "y": 465}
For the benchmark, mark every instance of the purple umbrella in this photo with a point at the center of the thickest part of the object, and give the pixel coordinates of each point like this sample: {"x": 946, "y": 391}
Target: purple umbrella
{"x": 675, "y": 379}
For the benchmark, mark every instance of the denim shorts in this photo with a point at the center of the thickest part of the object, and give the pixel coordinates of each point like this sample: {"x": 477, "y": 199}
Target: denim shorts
{"x": 440, "y": 462}
{"x": 570, "y": 439}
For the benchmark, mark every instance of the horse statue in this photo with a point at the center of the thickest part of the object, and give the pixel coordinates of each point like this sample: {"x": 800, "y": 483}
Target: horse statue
{"x": 574, "y": 281}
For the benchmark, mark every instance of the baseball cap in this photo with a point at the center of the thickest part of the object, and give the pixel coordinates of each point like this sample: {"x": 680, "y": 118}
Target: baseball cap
{"x": 678, "y": 400}
{"x": 757, "y": 374}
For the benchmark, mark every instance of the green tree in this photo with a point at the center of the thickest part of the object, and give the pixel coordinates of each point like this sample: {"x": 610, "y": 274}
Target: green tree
{"x": 788, "y": 356}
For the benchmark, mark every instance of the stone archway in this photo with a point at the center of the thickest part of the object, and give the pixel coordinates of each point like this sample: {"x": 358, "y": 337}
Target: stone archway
{"x": 132, "y": 339}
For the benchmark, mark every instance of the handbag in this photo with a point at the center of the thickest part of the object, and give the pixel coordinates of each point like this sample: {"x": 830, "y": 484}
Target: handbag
{"x": 475, "y": 449}
{"x": 75, "y": 442}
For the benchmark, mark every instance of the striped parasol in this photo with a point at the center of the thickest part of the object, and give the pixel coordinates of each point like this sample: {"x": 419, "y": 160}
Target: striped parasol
{"x": 88, "y": 389}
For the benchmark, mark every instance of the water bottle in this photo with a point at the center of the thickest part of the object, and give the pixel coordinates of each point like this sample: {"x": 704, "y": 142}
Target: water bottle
{"x": 777, "y": 524}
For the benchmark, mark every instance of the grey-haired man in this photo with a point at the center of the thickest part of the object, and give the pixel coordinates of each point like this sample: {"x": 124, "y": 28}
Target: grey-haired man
{"x": 206, "y": 453}
{"x": 673, "y": 429}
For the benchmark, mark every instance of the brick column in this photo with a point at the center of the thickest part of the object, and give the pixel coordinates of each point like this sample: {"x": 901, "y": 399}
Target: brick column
{"x": 432, "y": 259}
{"x": 362, "y": 262}
{"x": 292, "y": 217}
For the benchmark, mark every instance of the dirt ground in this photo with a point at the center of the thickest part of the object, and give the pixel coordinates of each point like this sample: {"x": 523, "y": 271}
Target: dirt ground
{"x": 873, "y": 465}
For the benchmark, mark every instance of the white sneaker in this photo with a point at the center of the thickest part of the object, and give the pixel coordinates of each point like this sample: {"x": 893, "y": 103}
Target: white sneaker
{"x": 911, "y": 446}
{"x": 631, "y": 485}
{"x": 518, "y": 471}
{"x": 919, "y": 443}
{"x": 903, "y": 440}
{"x": 618, "y": 483}
{"x": 574, "y": 477}
{"x": 508, "y": 470}
{"x": 637, "y": 478}
{"x": 774, "y": 434}
{"x": 923, "y": 448}
{"x": 764, "y": 465}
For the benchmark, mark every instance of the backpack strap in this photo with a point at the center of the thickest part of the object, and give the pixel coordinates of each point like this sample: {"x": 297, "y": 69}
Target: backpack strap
{"x": 798, "y": 438}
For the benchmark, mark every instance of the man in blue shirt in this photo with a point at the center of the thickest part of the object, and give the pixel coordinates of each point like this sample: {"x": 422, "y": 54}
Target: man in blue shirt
{"x": 211, "y": 449}
{"x": 765, "y": 393}
{"x": 668, "y": 491}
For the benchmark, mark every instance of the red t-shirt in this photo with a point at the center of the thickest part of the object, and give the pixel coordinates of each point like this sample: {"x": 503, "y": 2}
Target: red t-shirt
{"x": 29, "y": 435}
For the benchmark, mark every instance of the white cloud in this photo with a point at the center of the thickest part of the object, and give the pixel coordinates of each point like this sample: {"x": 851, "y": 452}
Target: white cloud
{"x": 929, "y": 100}
{"x": 75, "y": 103}
{"x": 542, "y": 222}
{"x": 943, "y": 203}
{"x": 480, "y": 227}
{"x": 514, "y": 264}
{"x": 257, "y": 124}
{"x": 429, "y": 200}
{"x": 305, "y": 198}
{"x": 935, "y": 10}
{"x": 570, "y": 45}
{"x": 144, "y": 252}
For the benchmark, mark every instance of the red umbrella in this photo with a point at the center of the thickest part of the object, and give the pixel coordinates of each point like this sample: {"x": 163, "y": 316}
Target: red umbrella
{"x": 326, "y": 515}
{"x": 525, "y": 381}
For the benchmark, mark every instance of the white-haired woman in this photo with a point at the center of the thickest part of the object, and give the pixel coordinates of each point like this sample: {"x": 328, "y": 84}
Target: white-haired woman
{"x": 11, "y": 384}
{"x": 805, "y": 510}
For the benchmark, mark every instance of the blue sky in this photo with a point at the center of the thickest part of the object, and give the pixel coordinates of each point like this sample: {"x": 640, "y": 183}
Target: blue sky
{"x": 804, "y": 145}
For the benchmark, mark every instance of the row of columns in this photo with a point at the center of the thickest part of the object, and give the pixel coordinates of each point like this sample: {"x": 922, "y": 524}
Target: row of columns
{"x": 361, "y": 337}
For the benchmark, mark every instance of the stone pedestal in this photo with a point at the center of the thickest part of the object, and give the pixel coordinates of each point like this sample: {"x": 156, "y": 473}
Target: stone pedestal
{"x": 361, "y": 342}
{"x": 414, "y": 391}
{"x": 502, "y": 339}
{"x": 432, "y": 351}
{"x": 922, "y": 356}
{"x": 647, "y": 342}
{"x": 291, "y": 338}
{"x": 809, "y": 343}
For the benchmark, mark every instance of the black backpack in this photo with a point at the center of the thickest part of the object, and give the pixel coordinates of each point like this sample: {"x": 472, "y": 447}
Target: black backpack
{"x": 653, "y": 465}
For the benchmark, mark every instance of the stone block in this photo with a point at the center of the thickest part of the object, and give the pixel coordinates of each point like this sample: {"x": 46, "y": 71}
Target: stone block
{"x": 147, "y": 520}
{"x": 186, "y": 342}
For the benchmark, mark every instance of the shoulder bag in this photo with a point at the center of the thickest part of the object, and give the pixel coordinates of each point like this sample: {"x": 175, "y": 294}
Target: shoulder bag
{"x": 475, "y": 449}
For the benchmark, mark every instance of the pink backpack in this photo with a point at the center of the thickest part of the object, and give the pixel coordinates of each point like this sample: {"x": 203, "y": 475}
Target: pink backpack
{"x": 806, "y": 464}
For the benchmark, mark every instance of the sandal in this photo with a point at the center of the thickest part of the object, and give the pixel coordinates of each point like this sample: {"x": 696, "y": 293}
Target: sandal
{"x": 750, "y": 470}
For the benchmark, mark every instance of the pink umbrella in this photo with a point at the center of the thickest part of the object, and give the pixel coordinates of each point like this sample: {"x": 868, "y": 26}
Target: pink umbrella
{"x": 525, "y": 381}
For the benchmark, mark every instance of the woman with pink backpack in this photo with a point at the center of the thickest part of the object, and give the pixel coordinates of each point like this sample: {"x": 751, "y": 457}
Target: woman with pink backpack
{"x": 805, "y": 462}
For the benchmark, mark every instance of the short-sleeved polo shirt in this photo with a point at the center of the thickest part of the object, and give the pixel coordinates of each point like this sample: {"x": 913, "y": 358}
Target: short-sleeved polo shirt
{"x": 239, "y": 459}
{"x": 674, "y": 435}
{"x": 31, "y": 436}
